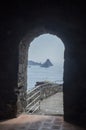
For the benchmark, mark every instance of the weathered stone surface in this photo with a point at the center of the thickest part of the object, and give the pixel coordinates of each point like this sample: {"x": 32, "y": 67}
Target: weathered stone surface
{"x": 19, "y": 23}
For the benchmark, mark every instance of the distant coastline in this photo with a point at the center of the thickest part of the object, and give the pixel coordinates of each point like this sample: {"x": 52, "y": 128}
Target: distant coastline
{"x": 31, "y": 62}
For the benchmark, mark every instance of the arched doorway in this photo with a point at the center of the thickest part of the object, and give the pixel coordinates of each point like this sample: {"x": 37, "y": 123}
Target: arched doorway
{"x": 54, "y": 56}
{"x": 45, "y": 69}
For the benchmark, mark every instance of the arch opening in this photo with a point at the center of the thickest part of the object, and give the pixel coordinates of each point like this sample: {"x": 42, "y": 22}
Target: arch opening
{"x": 46, "y": 48}
{"x": 45, "y": 69}
{"x": 51, "y": 50}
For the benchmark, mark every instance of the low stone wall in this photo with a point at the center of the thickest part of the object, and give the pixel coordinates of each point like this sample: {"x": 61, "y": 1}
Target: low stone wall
{"x": 47, "y": 90}
{"x": 41, "y": 92}
{"x": 50, "y": 89}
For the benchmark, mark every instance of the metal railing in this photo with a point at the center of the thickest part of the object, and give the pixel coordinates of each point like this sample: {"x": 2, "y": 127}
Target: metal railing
{"x": 40, "y": 92}
{"x": 33, "y": 100}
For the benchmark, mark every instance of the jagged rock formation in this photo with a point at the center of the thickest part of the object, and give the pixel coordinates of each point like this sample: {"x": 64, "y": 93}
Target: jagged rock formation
{"x": 47, "y": 64}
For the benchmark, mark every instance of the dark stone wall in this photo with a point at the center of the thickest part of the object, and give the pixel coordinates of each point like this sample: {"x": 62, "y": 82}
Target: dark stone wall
{"x": 61, "y": 18}
{"x": 74, "y": 85}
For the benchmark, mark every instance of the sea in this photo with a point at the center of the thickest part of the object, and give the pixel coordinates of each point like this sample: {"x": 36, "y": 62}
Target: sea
{"x": 37, "y": 74}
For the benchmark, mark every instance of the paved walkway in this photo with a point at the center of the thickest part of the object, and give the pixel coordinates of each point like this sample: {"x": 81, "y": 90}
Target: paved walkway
{"x": 53, "y": 105}
{"x": 37, "y": 122}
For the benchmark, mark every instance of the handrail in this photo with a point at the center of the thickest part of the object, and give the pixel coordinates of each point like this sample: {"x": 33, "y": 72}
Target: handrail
{"x": 33, "y": 107}
{"x": 36, "y": 109}
{"x": 33, "y": 101}
{"x": 28, "y": 91}
{"x": 35, "y": 95}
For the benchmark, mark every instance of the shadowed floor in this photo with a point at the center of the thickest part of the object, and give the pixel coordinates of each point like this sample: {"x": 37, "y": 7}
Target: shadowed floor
{"x": 37, "y": 122}
{"x": 42, "y": 122}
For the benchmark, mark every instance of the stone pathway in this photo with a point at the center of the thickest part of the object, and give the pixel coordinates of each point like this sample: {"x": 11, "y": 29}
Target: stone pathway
{"x": 37, "y": 122}
{"x": 53, "y": 105}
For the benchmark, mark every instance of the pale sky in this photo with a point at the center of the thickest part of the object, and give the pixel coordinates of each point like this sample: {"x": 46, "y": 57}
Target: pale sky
{"x": 46, "y": 46}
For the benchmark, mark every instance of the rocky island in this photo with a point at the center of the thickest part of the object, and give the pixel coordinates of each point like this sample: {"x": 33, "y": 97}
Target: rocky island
{"x": 47, "y": 64}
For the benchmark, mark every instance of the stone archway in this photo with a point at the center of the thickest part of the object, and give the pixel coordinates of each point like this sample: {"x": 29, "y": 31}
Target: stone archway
{"x": 64, "y": 19}
{"x": 23, "y": 60}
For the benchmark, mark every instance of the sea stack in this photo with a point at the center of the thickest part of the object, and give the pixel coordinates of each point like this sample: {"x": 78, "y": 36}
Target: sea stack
{"x": 47, "y": 64}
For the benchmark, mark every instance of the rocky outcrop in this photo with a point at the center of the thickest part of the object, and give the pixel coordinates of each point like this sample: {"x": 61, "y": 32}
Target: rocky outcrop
{"x": 47, "y": 64}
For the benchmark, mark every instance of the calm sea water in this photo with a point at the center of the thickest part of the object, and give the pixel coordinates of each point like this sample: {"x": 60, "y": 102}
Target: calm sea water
{"x": 37, "y": 73}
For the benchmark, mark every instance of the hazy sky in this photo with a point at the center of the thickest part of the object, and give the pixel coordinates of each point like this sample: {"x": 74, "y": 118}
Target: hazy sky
{"x": 46, "y": 46}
